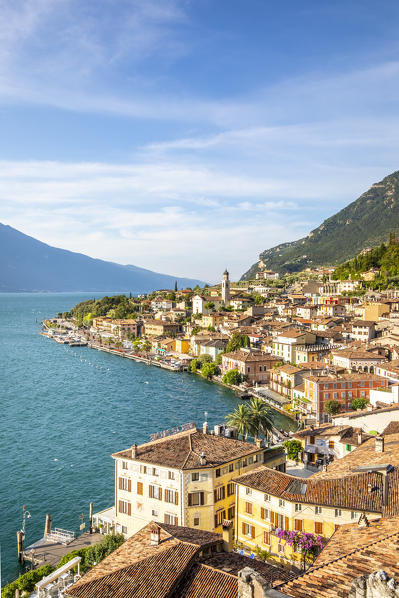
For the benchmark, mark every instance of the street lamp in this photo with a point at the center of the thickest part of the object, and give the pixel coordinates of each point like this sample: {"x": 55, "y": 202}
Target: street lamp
{"x": 25, "y": 515}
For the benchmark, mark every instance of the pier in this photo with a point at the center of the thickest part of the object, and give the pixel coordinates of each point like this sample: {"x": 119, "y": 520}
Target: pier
{"x": 49, "y": 550}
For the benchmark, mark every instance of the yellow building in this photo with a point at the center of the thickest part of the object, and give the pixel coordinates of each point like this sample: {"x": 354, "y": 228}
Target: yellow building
{"x": 182, "y": 345}
{"x": 183, "y": 479}
{"x": 269, "y": 500}
{"x": 372, "y": 311}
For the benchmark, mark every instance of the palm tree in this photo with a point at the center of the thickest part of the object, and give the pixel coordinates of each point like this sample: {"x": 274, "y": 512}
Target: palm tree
{"x": 260, "y": 416}
{"x": 242, "y": 420}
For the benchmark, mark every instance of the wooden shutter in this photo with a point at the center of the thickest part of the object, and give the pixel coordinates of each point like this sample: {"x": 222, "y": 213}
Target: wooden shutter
{"x": 262, "y": 513}
{"x": 140, "y": 488}
{"x": 160, "y": 494}
{"x": 120, "y": 507}
{"x": 150, "y": 491}
{"x": 129, "y": 485}
{"x": 176, "y": 499}
{"x": 176, "y": 520}
{"x": 120, "y": 484}
{"x": 215, "y": 496}
{"x": 202, "y": 498}
{"x": 243, "y": 528}
{"x": 286, "y": 523}
{"x": 252, "y": 532}
{"x": 318, "y": 527}
{"x": 298, "y": 525}
{"x": 129, "y": 508}
{"x": 190, "y": 500}
{"x": 223, "y": 492}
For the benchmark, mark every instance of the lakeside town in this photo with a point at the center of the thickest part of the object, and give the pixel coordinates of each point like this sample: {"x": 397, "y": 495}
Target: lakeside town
{"x": 244, "y": 509}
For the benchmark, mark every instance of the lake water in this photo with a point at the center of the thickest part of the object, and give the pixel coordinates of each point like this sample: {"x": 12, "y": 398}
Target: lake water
{"x": 64, "y": 410}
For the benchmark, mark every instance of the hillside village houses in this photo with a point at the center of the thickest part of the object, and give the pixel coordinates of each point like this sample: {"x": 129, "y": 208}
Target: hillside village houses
{"x": 310, "y": 351}
{"x": 314, "y": 328}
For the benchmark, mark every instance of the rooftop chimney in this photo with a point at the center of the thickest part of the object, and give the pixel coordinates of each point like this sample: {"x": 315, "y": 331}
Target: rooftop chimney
{"x": 202, "y": 458}
{"x": 227, "y": 526}
{"x": 205, "y": 428}
{"x": 363, "y": 521}
{"x": 259, "y": 442}
{"x": 134, "y": 451}
{"x": 155, "y": 538}
{"x": 379, "y": 444}
{"x": 360, "y": 437}
{"x": 251, "y": 584}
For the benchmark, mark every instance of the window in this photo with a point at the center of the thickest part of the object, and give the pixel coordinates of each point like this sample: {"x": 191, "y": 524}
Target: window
{"x": 217, "y": 473}
{"x": 250, "y": 460}
{"x": 331, "y": 444}
{"x": 280, "y": 548}
{"x": 139, "y": 506}
{"x": 219, "y": 493}
{"x": 143, "y": 468}
{"x": 248, "y": 490}
{"x": 231, "y": 512}
{"x": 349, "y": 395}
{"x": 140, "y": 488}
{"x": 266, "y": 497}
{"x": 219, "y": 516}
{"x": 248, "y": 530}
{"x": 362, "y": 393}
{"x": 298, "y": 525}
{"x": 154, "y": 513}
{"x": 281, "y": 502}
{"x": 125, "y": 465}
{"x": 338, "y": 513}
{"x": 124, "y": 529}
{"x": 318, "y": 527}
{"x": 171, "y": 475}
{"x": 354, "y": 515}
{"x": 196, "y": 521}
{"x": 298, "y": 507}
{"x": 230, "y": 488}
{"x": 311, "y": 440}
{"x": 244, "y": 462}
{"x": 125, "y": 484}
{"x": 318, "y": 510}
{"x": 172, "y": 496}
{"x": 348, "y": 448}
{"x": 231, "y": 467}
{"x": 155, "y": 492}
{"x": 196, "y": 499}
{"x": 171, "y": 519}
{"x": 326, "y": 395}
{"x": 325, "y": 386}
{"x": 349, "y": 384}
{"x": 266, "y": 538}
{"x": 265, "y": 514}
{"x": 362, "y": 383}
{"x": 195, "y": 476}
{"x": 203, "y": 477}
{"x": 125, "y": 507}
{"x": 343, "y": 395}
{"x": 155, "y": 471}
{"x": 248, "y": 508}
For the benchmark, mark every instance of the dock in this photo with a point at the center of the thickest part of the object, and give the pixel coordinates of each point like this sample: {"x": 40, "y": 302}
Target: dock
{"x": 47, "y": 551}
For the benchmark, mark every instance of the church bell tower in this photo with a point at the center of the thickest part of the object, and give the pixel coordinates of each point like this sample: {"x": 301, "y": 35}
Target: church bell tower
{"x": 226, "y": 287}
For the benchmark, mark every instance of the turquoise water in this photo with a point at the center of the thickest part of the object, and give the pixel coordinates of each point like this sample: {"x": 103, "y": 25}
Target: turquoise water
{"x": 64, "y": 410}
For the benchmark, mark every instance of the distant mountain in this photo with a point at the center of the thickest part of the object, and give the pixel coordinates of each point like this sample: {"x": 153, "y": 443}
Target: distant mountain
{"x": 365, "y": 222}
{"x": 27, "y": 264}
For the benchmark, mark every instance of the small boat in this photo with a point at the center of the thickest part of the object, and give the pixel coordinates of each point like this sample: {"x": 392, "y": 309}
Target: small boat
{"x": 245, "y": 396}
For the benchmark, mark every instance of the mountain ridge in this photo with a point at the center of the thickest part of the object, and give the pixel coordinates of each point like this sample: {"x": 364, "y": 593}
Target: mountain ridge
{"x": 367, "y": 221}
{"x": 29, "y": 265}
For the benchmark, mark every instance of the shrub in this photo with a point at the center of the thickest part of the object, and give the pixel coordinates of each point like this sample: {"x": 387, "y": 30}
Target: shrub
{"x": 232, "y": 377}
{"x": 27, "y": 581}
{"x": 332, "y": 407}
{"x": 96, "y": 553}
{"x": 209, "y": 369}
{"x": 294, "y": 447}
{"x": 359, "y": 403}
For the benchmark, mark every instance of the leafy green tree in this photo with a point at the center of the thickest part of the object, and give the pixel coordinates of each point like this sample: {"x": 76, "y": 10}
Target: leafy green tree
{"x": 232, "y": 377}
{"x": 258, "y": 300}
{"x": 175, "y": 286}
{"x": 241, "y": 419}
{"x": 219, "y": 358}
{"x": 332, "y": 407}
{"x": 236, "y": 342}
{"x": 195, "y": 330}
{"x": 360, "y": 403}
{"x": 194, "y": 365}
{"x": 294, "y": 447}
{"x": 209, "y": 305}
{"x": 209, "y": 370}
{"x": 204, "y": 358}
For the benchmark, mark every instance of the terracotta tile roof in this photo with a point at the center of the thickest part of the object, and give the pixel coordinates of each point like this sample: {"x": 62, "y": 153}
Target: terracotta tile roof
{"x": 346, "y": 434}
{"x": 183, "y": 450}
{"x": 364, "y": 455}
{"x": 206, "y": 582}
{"x": 392, "y": 428}
{"x": 173, "y": 568}
{"x": 248, "y": 356}
{"x": 232, "y": 562}
{"x": 349, "y": 492}
{"x": 364, "y": 551}
{"x": 362, "y": 412}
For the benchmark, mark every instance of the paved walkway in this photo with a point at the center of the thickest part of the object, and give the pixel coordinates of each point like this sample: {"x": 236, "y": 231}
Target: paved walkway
{"x": 50, "y": 553}
{"x": 299, "y": 471}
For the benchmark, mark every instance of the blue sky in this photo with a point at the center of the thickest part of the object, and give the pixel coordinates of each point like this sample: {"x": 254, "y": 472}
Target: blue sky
{"x": 189, "y": 135}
